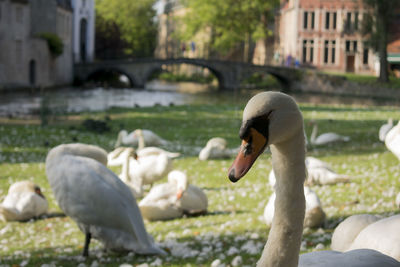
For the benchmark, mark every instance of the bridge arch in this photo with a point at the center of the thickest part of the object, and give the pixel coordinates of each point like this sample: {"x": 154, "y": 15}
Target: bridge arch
{"x": 99, "y": 70}
{"x": 229, "y": 74}
{"x": 159, "y": 67}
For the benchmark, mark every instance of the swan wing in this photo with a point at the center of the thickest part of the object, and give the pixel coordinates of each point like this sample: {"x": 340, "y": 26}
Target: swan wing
{"x": 193, "y": 200}
{"x": 392, "y": 140}
{"x": 353, "y": 258}
{"x": 382, "y": 236}
{"x": 91, "y": 194}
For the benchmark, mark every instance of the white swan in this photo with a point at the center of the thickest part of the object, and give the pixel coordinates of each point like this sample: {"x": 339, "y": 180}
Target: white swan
{"x": 326, "y": 138}
{"x": 24, "y": 201}
{"x": 392, "y": 140}
{"x": 173, "y": 199}
{"x": 216, "y": 148}
{"x": 314, "y": 215}
{"x": 134, "y": 186}
{"x": 384, "y": 129}
{"x": 145, "y": 170}
{"x": 273, "y": 119}
{"x": 97, "y": 200}
{"x": 368, "y": 231}
{"x": 132, "y": 138}
{"x": 318, "y": 173}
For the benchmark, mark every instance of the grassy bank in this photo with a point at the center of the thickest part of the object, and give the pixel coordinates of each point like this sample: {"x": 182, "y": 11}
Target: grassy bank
{"x": 233, "y": 225}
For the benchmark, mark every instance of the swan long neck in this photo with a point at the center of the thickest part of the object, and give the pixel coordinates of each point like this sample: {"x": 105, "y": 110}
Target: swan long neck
{"x": 141, "y": 142}
{"x": 125, "y": 168}
{"x": 283, "y": 245}
{"x": 314, "y": 133}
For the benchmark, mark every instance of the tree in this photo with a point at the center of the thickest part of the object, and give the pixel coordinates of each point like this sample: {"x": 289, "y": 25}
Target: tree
{"x": 135, "y": 20}
{"x": 376, "y": 26}
{"x": 230, "y": 21}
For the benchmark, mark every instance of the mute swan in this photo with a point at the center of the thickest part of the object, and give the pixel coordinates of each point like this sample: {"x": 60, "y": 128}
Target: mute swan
{"x": 392, "y": 140}
{"x": 326, "y": 138}
{"x": 215, "y": 149}
{"x": 385, "y": 128}
{"x": 145, "y": 170}
{"x": 97, "y": 200}
{"x": 273, "y": 119}
{"x": 314, "y": 215}
{"x": 132, "y": 138}
{"x": 24, "y": 201}
{"x": 318, "y": 173}
{"x": 136, "y": 189}
{"x": 173, "y": 199}
{"x": 368, "y": 231}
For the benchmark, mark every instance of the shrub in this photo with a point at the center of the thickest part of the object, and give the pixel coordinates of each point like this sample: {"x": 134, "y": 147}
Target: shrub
{"x": 54, "y": 43}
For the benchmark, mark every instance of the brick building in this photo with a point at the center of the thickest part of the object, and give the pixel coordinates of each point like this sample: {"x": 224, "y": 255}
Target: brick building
{"x": 324, "y": 34}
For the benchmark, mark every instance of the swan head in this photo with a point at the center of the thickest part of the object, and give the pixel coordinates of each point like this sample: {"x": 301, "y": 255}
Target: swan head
{"x": 122, "y": 134}
{"x": 38, "y": 191}
{"x": 269, "y": 118}
{"x": 180, "y": 179}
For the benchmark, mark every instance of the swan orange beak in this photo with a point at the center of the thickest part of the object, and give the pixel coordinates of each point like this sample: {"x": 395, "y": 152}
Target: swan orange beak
{"x": 252, "y": 146}
{"x": 179, "y": 194}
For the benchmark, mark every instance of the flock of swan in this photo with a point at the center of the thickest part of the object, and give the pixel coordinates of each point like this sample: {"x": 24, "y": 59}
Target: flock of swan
{"x": 106, "y": 205}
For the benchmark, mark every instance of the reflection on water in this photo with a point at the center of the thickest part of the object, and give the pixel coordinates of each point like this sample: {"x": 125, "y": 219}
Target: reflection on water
{"x": 156, "y": 93}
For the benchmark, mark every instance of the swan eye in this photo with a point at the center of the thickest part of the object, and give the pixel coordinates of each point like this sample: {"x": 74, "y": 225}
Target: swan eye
{"x": 248, "y": 149}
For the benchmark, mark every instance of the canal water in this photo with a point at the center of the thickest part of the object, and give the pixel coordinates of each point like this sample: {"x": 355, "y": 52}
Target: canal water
{"x": 63, "y": 100}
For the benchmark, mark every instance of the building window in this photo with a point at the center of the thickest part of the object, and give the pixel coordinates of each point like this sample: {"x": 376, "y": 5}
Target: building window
{"x": 351, "y": 46}
{"x": 326, "y": 51}
{"x": 352, "y": 22}
{"x": 308, "y": 51}
{"x": 356, "y": 21}
{"x": 348, "y": 22}
{"x": 312, "y": 20}
{"x": 365, "y": 55}
{"x": 305, "y": 20}
{"x": 329, "y": 52}
{"x": 308, "y": 20}
{"x": 327, "y": 18}
{"x": 334, "y": 20}
{"x": 330, "y": 20}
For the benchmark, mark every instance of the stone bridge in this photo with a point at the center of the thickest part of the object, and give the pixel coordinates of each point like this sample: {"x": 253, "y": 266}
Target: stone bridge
{"x": 229, "y": 74}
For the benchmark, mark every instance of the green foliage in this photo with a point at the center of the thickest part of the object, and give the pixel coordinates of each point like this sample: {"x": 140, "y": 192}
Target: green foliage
{"x": 198, "y": 78}
{"x": 230, "y": 21}
{"x": 135, "y": 22}
{"x": 260, "y": 80}
{"x": 376, "y": 26}
{"x": 54, "y": 43}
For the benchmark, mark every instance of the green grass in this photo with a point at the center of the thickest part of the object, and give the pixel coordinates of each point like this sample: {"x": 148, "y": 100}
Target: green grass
{"x": 369, "y": 79}
{"x": 233, "y": 224}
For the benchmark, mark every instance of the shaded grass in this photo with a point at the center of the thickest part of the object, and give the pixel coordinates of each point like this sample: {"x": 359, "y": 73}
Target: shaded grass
{"x": 234, "y": 209}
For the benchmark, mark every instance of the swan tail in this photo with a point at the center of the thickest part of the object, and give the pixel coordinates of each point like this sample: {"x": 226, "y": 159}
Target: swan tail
{"x": 7, "y": 215}
{"x": 328, "y": 180}
{"x": 173, "y": 155}
{"x": 346, "y": 138}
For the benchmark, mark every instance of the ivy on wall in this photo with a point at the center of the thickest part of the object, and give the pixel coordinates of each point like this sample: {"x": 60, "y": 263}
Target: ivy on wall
{"x": 54, "y": 43}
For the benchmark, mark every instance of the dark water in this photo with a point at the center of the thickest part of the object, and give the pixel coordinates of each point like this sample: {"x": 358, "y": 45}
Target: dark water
{"x": 156, "y": 93}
